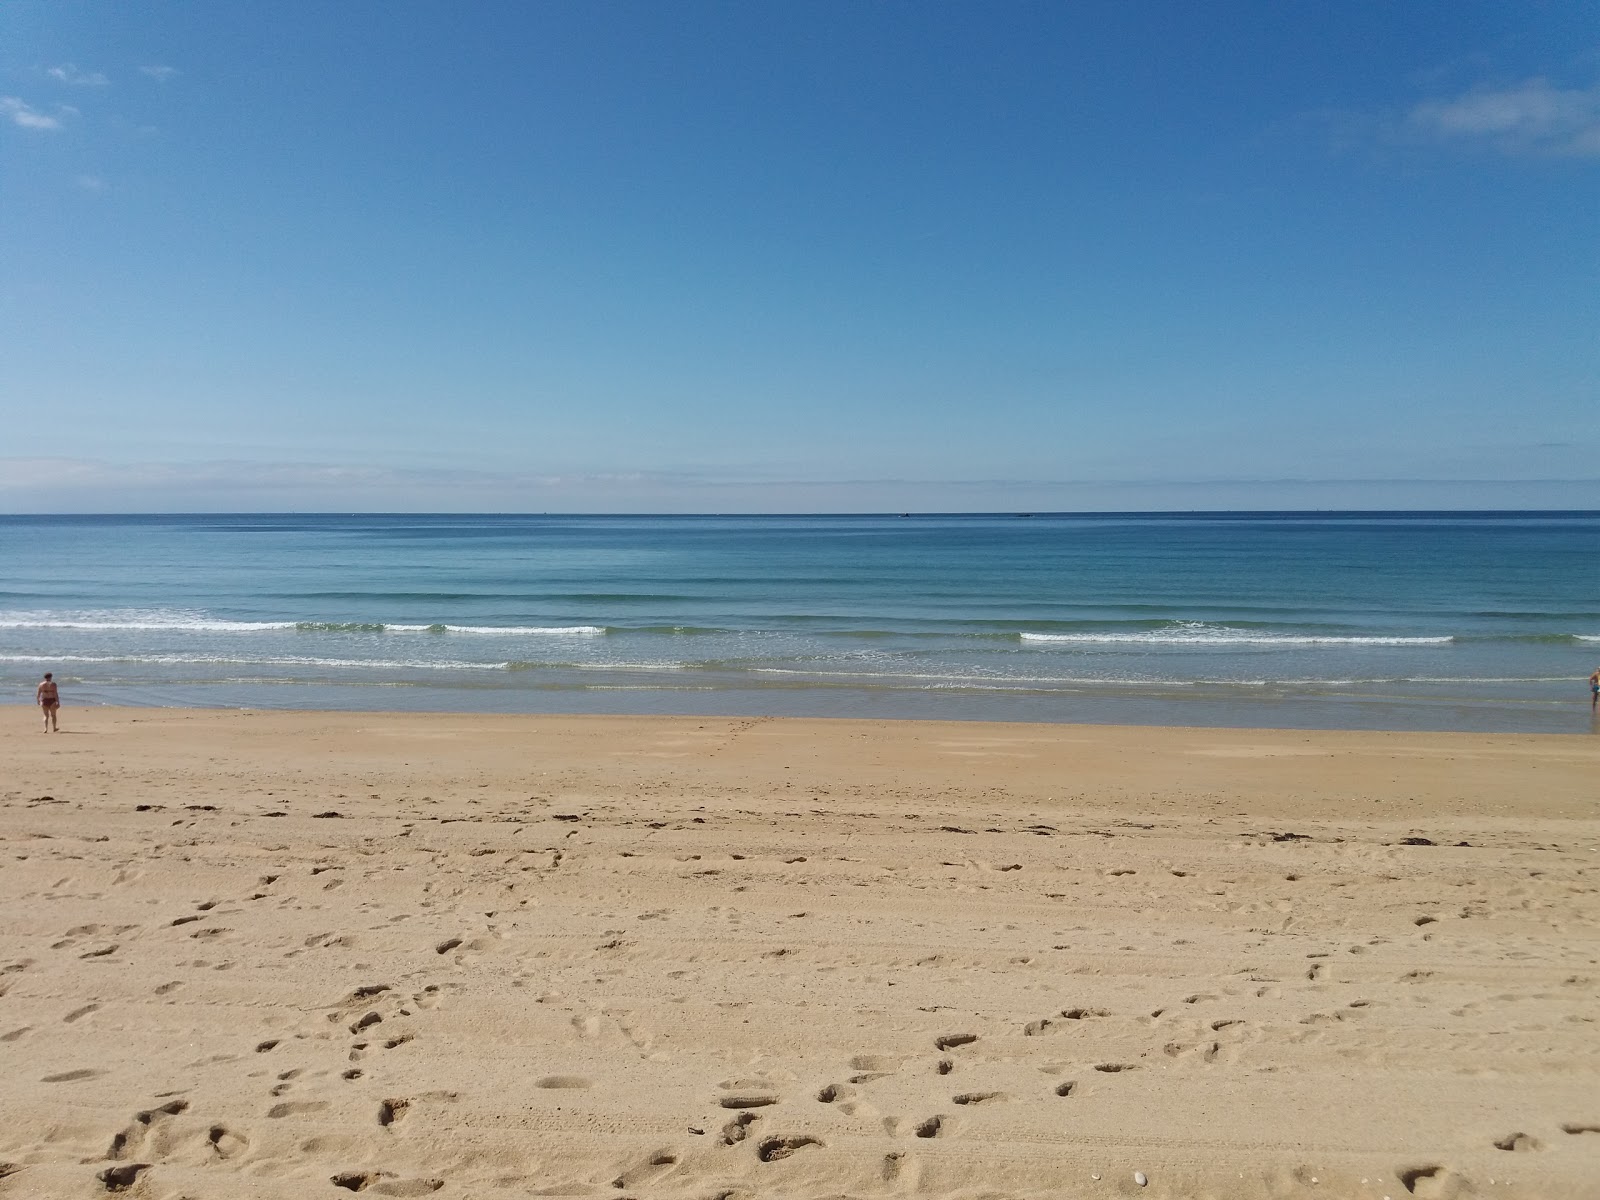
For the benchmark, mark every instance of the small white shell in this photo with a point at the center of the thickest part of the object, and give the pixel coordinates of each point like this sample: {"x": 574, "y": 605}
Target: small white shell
{"x": 1139, "y": 1178}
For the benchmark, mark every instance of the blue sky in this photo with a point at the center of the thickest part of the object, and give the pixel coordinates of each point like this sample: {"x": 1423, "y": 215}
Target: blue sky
{"x": 748, "y": 256}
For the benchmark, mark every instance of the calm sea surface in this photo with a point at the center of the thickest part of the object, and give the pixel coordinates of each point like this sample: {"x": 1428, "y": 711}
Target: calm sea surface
{"x": 1485, "y": 621}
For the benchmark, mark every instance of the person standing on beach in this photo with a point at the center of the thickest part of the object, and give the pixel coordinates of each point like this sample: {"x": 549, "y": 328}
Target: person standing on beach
{"x": 48, "y": 697}
{"x": 1594, "y": 688}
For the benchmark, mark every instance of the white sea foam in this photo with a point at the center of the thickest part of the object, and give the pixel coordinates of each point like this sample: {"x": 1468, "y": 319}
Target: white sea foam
{"x": 1194, "y": 633}
{"x": 1474, "y": 679}
{"x": 288, "y": 660}
{"x": 503, "y": 630}
{"x": 186, "y": 621}
{"x": 531, "y": 630}
{"x": 623, "y": 666}
{"x": 649, "y": 687}
{"x": 162, "y": 621}
{"x": 974, "y": 680}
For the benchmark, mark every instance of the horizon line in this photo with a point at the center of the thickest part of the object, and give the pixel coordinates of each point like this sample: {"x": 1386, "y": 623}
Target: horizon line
{"x": 907, "y": 513}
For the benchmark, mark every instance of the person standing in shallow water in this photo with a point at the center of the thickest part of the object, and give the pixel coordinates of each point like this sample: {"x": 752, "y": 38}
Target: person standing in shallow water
{"x": 48, "y": 697}
{"x": 1594, "y": 688}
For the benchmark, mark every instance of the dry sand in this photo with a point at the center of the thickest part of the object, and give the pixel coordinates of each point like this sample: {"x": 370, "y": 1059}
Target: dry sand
{"x": 288, "y": 954}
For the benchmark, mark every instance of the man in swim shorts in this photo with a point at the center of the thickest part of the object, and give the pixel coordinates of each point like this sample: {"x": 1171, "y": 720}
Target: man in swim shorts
{"x": 48, "y": 697}
{"x": 1594, "y": 688}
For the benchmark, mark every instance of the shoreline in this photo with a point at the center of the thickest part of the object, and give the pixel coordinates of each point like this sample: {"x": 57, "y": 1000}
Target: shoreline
{"x": 699, "y": 955}
{"x": 1173, "y": 706}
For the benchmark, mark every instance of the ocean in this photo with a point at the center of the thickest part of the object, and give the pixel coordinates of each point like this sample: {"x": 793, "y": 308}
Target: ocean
{"x": 1375, "y": 620}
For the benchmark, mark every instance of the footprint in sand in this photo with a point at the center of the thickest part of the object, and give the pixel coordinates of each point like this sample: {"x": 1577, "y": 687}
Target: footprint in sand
{"x": 72, "y": 1076}
{"x": 366, "y": 992}
{"x": 120, "y": 1179}
{"x": 748, "y": 1100}
{"x": 131, "y": 1139}
{"x": 429, "y": 997}
{"x": 383, "y": 1183}
{"x": 845, "y": 1097}
{"x": 872, "y": 1066}
{"x": 901, "y": 1169}
{"x": 652, "y": 1169}
{"x": 1430, "y": 1182}
{"x": 1519, "y": 1142}
{"x": 736, "y": 1130}
{"x": 296, "y": 1108}
{"x": 773, "y": 1148}
{"x": 226, "y": 1143}
{"x": 408, "y": 1187}
{"x": 978, "y": 1097}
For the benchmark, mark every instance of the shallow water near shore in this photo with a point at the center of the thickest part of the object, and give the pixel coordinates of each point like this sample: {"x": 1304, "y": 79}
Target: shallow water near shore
{"x": 1450, "y": 621}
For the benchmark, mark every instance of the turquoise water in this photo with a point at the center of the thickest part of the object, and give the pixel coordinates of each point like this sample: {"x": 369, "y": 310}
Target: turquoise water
{"x": 1485, "y": 621}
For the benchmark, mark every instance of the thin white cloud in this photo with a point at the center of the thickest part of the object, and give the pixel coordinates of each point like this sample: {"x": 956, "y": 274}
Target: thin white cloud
{"x": 159, "y": 73}
{"x": 32, "y": 474}
{"x": 67, "y": 73}
{"x": 19, "y": 474}
{"x": 84, "y": 485}
{"x": 91, "y": 183}
{"x": 20, "y": 112}
{"x": 1534, "y": 117}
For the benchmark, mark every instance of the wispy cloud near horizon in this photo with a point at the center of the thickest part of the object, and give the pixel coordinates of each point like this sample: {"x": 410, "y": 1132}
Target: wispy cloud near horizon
{"x": 77, "y": 484}
{"x": 24, "y": 115}
{"x": 1533, "y": 117}
{"x": 69, "y": 74}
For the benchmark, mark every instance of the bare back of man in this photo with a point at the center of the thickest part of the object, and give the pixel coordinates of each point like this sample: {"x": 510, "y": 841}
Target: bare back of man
{"x": 48, "y": 697}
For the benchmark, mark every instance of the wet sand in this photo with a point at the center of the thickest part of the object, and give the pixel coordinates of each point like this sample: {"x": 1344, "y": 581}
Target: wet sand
{"x": 302, "y": 954}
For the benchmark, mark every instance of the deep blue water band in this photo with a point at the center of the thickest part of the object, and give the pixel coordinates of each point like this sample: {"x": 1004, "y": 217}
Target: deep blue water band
{"x": 1372, "y": 620}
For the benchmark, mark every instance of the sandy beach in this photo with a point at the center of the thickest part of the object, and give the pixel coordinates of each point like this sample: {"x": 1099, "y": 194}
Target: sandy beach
{"x": 253, "y": 954}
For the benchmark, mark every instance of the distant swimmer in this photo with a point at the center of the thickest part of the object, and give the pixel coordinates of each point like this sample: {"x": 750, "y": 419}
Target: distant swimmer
{"x": 1594, "y": 688}
{"x": 48, "y": 697}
